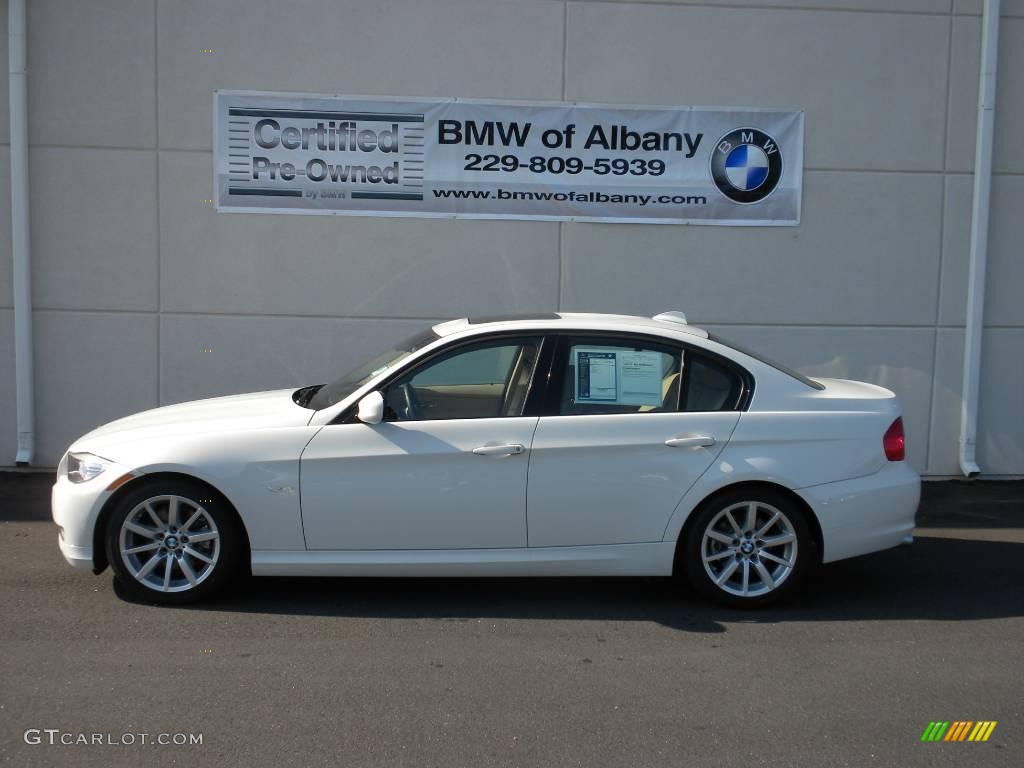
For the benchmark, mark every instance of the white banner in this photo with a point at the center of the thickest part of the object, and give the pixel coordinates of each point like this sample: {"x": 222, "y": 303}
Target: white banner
{"x": 475, "y": 158}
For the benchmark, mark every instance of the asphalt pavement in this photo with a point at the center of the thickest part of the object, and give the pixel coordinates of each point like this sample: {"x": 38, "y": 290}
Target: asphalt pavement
{"x": 518, "y": 672}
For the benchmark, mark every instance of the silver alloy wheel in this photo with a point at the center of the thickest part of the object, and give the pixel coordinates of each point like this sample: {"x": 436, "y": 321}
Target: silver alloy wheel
{"x": 169, "y": 543}
{"x": 749, "y": 549}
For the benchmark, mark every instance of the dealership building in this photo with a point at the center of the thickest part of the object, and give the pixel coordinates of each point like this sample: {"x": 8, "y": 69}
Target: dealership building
{"x": 126, "y": 283}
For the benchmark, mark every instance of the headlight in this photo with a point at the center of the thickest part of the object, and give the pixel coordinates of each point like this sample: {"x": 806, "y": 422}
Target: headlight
{"x": 85, "y": 466}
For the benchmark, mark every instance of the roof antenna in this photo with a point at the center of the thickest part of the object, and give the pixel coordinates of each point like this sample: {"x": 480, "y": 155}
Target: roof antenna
{"x": 673, "y": 316}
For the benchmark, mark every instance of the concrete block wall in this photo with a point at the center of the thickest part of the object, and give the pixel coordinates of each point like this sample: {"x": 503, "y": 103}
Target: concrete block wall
{"x": 134, "y": 275}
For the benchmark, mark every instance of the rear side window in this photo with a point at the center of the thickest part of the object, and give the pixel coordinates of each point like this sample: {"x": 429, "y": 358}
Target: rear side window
{"x": 709, "y": 385}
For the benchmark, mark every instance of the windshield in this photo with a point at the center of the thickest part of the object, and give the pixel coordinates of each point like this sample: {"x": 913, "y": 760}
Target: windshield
{"x": 777, "y": 366}
{"x": 336, "y": 391}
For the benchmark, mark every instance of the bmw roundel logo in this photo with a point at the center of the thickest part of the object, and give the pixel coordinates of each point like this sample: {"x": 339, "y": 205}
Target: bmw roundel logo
{"x": 746, "y": 165}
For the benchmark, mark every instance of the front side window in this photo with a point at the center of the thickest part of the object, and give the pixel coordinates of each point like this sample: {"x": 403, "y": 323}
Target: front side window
{"x": 612, "y": 375}
{"x": 487, "y": 380}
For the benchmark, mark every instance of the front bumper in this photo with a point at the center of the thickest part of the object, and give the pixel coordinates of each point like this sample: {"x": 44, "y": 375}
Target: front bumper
{"x": 866, "y": 514}
{"x": 75, "y": 508}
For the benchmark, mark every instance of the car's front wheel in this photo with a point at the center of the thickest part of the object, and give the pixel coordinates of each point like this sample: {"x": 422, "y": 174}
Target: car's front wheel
{"x": 172, "y": 543}
{"x": 746, "y": 549}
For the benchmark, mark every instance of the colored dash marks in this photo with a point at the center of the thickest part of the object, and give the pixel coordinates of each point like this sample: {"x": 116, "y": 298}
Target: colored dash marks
{"x": 959, "y": 730}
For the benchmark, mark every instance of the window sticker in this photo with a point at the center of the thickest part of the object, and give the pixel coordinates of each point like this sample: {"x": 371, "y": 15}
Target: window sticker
{"x": 617, "y": 376}
{"x": 596, "y": 379}
{"x": 641, "y": 378}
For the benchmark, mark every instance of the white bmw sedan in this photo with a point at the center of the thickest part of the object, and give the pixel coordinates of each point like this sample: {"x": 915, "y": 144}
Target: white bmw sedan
{"x": 548, "y": 445}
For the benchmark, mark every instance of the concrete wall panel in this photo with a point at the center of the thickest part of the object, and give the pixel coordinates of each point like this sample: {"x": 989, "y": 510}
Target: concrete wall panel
{"x": 8, "y": 414}
{"x": 440, "y": 48}
{"x": 91, "y": 77}
{"x": 6, "y": 265}
{"x": 91, "y": 368}
{"x": 1008, "y": 154}
{"x": 1005, "y": 268}
{"x": 1009, "y": 7}
{"x": 1000, "y": 445}
{"x": 903, "y": 6}
{"x": 343, "y": 266}
{"x": 257, "y": 353}
{"x": 5, "y": 96}
{"x": 94, "y": 219}
{"x": 871, "y": 84}
{"x": 863, "y": 240}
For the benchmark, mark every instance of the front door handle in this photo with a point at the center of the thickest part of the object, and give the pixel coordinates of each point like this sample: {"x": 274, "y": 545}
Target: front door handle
{"x": 513, "y": 449}
{"x": 690, "y": 441}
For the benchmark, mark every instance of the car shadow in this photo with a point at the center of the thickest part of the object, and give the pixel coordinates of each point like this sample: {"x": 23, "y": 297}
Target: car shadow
{"x": 938, "y": 578}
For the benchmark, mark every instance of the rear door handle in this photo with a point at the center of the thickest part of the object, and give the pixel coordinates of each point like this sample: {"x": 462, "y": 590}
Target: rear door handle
{"x": 690, "y": 441}
{"x": 512, "y": 449}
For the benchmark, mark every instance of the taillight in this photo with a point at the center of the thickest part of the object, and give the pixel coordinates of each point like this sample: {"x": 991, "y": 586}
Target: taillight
{"x": 893, "y": 441}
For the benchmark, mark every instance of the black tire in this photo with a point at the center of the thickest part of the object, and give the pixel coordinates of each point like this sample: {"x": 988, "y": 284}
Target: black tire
{"x": 226, "y": 549}
{"x": 746, "y": 552}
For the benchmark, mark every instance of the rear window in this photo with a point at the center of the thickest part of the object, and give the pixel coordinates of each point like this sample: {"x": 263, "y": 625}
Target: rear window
{"x": 767, "y": 361}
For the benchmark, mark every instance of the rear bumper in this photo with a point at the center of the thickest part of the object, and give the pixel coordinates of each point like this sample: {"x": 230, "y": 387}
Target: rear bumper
{"x": 866, "y": 514}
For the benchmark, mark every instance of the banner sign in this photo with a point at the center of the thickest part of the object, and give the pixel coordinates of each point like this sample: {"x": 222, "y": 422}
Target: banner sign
{"x": 476, "y": 158}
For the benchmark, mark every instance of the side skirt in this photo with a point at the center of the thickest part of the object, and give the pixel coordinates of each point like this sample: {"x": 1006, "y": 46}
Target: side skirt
{"x": 650, "y": 559}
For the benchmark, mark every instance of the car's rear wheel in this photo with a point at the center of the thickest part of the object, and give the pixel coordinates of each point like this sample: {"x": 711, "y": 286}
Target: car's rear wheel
{"x": 747, "y": 549}
{"x": 172, "y": 543}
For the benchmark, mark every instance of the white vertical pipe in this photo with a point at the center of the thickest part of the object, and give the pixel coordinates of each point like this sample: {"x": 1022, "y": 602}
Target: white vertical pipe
{"x": 979, "y": 237}
{"x": 17, "y": 48}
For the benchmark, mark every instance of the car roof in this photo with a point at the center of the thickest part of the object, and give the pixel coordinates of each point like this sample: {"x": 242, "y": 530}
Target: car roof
{"x": 672, "y": 321}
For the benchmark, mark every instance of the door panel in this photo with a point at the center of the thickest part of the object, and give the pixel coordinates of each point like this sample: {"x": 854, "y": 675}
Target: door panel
{"x": 416, "y": 485}
{"x": 611, "y": 479}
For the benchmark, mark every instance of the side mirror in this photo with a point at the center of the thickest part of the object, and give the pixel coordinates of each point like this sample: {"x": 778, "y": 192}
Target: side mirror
{"x": 371, "y": 408}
